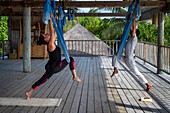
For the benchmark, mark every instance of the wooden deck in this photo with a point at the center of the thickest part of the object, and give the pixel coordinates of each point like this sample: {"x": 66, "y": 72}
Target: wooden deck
{"x": 98, "y": 94}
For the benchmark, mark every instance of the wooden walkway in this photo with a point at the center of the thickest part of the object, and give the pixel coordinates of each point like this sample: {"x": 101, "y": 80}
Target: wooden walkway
{"x": 97, "y": 94}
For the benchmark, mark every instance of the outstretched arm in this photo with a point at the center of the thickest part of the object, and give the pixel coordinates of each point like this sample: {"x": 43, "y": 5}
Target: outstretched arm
{"x": 51, "y": 45}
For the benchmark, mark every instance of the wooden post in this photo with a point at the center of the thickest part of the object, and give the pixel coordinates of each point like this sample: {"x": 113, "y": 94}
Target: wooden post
{"x": 102, "y": 47}
{"x": 116, "y": 45}
{"x": 155, "y": 18}
{"x": 39, "y": 32}
{"x": 79, "y": 47}
{"x": 92, "y": 48}
{"x": 82, "y": 48}
{"x": 160, "y": 41}
{"x": 110, "y": 48}
{"x": 144, "y": 53}
{"x": 3, "y": 49}
{"x": 113, "y": 48}
{"x": 72, "y": 47}
{"x": 9, "y": 34}
{"x": 27, "y": 39}
{"x": 20, "y": 40}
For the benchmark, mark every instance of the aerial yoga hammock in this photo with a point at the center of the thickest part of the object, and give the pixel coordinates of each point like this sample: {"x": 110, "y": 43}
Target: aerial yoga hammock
{"x": 128, "y": 59}
{"x": 59, "y": 30}
{"x": 54, "y": 64}
{"x": 127, "y": 27}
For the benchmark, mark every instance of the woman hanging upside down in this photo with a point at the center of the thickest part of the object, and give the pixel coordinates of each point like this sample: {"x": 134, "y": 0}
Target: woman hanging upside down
{"x": 54, "y": 64}
{"x": 128, "y": 59}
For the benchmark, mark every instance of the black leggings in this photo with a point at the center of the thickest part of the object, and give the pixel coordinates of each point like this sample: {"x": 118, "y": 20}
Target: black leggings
{"x": 58, "y": 68}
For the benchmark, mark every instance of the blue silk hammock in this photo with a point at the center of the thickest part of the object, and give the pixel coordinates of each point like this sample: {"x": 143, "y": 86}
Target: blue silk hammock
{"x": 127, "y": 27}
{"x": 59, "y": 29}
{"x": 72, "y": 15}
{"x": 69, "y": 14}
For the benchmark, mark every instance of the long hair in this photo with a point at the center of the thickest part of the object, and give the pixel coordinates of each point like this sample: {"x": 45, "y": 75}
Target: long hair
{"x": 41, "y": 40}
{"x": 137, "y": 32}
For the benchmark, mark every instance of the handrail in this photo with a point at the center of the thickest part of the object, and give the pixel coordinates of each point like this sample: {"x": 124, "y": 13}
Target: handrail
{"x": 91, "y": 40}
{"x": 148, "y": 53}
{"x": 91, "y": 47}
{"x": 153, "y": 44}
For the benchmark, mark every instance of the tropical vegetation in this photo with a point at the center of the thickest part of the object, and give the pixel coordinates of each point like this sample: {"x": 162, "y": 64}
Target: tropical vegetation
{"x": 3, "y": 28}
{"x": 112, "y": 29}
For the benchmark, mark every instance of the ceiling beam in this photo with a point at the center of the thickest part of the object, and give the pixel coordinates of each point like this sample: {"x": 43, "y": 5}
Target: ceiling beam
{"x": 83, "y": 4}
{"x": 76, "y": 14}
{"x": 100, "y": 14}
{"x": 6, "y": 10}
{"x": 167, "y": 8}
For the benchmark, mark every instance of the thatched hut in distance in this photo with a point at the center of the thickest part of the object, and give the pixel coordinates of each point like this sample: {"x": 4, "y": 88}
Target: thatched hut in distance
{"x": 81, "y": 42}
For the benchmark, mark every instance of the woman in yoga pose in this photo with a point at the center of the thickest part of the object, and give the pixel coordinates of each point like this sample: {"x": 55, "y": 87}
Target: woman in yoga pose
{"x": 128, "y": 59}
{"x": 55, "y": 64}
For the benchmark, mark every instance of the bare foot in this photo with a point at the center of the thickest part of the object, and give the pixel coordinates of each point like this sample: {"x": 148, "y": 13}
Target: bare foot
{"x": 28, "y": 95}
{"x": 114, "y": 72}
{"x": 77, "y": 79}
{"x": 148, "y": 87}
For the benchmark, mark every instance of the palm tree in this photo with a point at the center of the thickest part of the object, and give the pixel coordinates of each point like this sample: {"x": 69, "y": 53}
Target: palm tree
{"x": 94, "y": 10}
{"x": 114, "y": 31}
{"x": 114, "y": 10}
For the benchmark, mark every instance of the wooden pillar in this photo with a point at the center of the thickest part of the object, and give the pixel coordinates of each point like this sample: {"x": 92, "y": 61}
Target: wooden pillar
{"x": 155, "y": 18}
{"x": 160, "y": 41}
{"x": 27, "y": 39}
{"x": 3, "y": 49}
{"x": 9, "y": 47}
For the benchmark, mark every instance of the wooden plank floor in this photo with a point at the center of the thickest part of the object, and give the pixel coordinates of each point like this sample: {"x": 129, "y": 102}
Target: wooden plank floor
{"x": 97, "y": 94}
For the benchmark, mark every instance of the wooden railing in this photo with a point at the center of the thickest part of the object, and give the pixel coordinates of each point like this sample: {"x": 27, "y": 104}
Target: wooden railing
{"x": 3, "y": 48}
{"x": 148, "y": 52}
{"x": 144, "y": 50}
{"x": 92, "y": 47}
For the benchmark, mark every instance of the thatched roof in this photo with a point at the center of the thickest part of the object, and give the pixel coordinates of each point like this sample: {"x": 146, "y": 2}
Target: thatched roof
{"x": 78, "y": 32}
{"x": 82, "y": 42}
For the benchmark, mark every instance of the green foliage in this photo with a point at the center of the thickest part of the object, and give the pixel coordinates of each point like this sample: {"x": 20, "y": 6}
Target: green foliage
{"x": 167, "y": 31}
{"x": 93, "y": 10}
{"x": 93, "y": 24}
{"x": 114, "y": 31}
{"x": 3, "y": 28}
{"x": 114, "y": 10}
{"x": 149, "y": 32}
{"x": 106, "y": 29}
{"x": 70, "y": 24}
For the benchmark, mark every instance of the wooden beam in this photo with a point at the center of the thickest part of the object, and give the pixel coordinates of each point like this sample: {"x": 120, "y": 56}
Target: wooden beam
{"x": 77, "y": 14}
{"x": 166, "y": 9}
{"x": 147, "y": 14}
{"x": 6, "y": 10}
{"x": 83, "y": 4}
{"x": 99, "y": 14}
{"x": 103, "y": 4}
